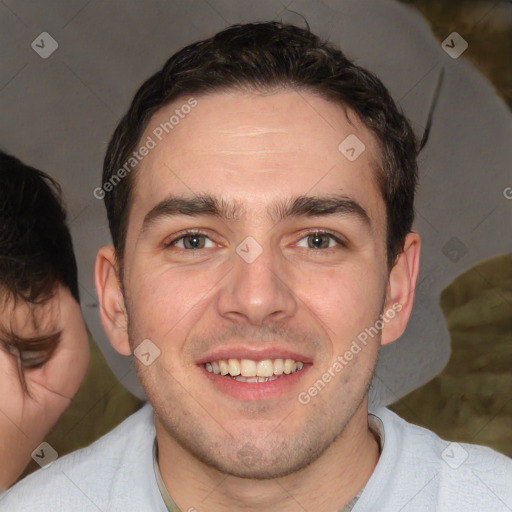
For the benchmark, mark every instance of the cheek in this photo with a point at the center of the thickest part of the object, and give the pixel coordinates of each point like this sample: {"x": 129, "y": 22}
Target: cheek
{"x": 347, "y": 298}
{"x": 164, "y": 301}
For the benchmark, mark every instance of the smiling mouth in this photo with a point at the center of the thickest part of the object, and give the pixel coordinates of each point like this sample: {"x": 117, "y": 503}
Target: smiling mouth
{"x": 247, "y": 370}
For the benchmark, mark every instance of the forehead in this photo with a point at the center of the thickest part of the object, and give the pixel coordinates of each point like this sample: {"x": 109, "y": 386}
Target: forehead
{"x": 255, "y": 148}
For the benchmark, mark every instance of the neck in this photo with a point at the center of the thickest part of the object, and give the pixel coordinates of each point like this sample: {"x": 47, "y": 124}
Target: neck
{"x": 327, "y": 484}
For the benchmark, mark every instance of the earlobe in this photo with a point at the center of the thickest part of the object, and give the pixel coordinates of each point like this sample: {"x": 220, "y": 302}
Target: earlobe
{"x": 401, "y": 289}
{"x": 112, "y": 309}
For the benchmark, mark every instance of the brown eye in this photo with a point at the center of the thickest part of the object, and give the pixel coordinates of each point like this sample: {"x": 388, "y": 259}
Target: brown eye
{"x": 34, "y": 358}
{"x": 194, "y": 241}
{"x": 318, "y": 241}
{"x": 321, "y": 240}
{"x": 191, "y": 240}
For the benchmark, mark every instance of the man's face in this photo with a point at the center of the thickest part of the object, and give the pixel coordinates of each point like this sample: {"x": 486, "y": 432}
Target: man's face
{"x": 283, "y": 291}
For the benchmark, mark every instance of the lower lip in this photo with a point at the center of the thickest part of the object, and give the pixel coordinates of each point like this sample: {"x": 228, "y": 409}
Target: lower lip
{"x": 256, "y": 390}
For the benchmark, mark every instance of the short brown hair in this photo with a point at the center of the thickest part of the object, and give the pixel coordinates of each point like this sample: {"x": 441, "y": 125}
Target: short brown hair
{"x": 263, "y": 56}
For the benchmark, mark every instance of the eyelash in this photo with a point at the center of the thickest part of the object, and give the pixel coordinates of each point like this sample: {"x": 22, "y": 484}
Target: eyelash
{"x": 195, "y": 232}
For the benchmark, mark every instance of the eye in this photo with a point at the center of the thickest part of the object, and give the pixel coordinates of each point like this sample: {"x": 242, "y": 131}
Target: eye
{"x": 191, "y": 239}
{"x": 33, "y": 352}
{"x": 321, "y": 240}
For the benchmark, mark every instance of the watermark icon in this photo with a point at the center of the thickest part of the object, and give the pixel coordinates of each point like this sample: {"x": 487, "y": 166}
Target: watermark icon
{"x": 44, "y": 454}
{"x": 351, "y": 147}
{"x": 454, "y": 249}
{"x": 44, "y": 45}
{"x": 249, "y": 249}
{"x": 249, "y": 454}
{"x": 146, "y": 352}
{"x": 454, "y": 455}
{"x": 507, "y": 193}
{"x": 304, "y": 397}
{"x": 150, "y": 143}
{"x": 454, "y": 45}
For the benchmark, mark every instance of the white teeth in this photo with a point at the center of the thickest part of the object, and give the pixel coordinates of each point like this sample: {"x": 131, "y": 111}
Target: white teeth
{"x": 249, "y": 369}
{"x": 278, "y": 367}
{"x": 288, "y": 366}
{"x": 265, "y": 368}
{"x": 224, "y": 367}
{"x": 254, "y": 379}
{"x": 234, "y": 367}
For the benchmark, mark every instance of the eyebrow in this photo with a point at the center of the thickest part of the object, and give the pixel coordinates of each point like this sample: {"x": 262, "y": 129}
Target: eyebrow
{"x": 300, "y": 206}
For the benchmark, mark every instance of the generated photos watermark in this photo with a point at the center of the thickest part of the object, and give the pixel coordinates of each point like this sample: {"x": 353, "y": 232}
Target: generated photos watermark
{"x": 343, "y": 360}
{"x": 150, "y": 143}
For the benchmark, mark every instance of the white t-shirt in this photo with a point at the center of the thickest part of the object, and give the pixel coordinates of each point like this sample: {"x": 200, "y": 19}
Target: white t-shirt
{"x": 417, "y": 472}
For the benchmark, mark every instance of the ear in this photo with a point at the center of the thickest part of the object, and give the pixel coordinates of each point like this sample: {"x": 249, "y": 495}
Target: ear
{"x": 111, "y": 300}
{"x": 401, "y": 288}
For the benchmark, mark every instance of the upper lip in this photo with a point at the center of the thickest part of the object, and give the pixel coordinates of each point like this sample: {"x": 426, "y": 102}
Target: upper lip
{"x": 253, "y": 354}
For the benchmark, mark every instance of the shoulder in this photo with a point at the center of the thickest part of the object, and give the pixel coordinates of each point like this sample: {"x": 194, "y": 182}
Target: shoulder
{"x": 429, "y": 471}
{"x": 87, "y": 479}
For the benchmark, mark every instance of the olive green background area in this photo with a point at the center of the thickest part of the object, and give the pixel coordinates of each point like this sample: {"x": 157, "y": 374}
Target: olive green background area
{"x": 471, "y": 399}
{"x": 482, "y": 24}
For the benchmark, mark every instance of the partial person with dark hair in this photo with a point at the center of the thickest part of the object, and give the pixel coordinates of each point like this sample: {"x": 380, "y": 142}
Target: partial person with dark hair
{"x": 260, "y": 196}
{"x": 44, "y": 350}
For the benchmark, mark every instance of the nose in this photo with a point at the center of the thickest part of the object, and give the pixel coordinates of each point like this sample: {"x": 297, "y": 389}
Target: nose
{"x": 257, "y": 290}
